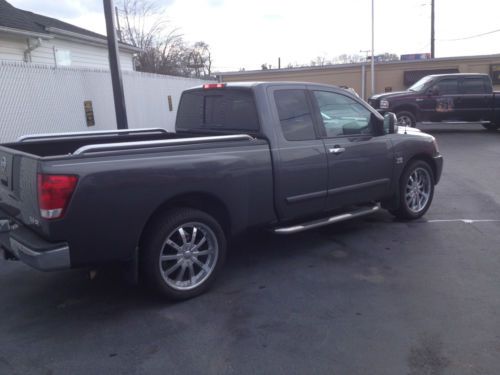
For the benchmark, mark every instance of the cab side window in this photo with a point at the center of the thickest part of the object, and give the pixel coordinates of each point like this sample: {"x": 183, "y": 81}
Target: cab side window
{"x": 342, "y": 116}
{"x": 474, "y": 86}
{"x": 295, "y": 115}
{"x": 448, "y": 86}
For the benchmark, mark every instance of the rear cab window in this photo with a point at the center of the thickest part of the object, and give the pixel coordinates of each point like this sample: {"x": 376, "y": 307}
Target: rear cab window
{"x": 224, "y": 110}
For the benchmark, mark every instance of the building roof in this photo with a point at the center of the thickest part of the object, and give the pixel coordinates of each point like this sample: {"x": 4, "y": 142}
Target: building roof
{"x": 351, "y": 65}
{"x": 18, "y": 19}
{"x": 14, "y": 18}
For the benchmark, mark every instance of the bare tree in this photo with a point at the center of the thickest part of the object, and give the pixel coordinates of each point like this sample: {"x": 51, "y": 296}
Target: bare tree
{"x": 200, "y": 59}
{"x": 320, "y": 61}
{"x": 146, "y": 26}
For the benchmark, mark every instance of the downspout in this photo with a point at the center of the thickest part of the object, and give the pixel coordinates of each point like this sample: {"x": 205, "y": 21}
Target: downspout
{"x": 27, "y": 52}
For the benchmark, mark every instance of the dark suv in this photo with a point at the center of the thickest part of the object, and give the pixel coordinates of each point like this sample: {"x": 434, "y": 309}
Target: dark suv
{"x": 444, "y": 97}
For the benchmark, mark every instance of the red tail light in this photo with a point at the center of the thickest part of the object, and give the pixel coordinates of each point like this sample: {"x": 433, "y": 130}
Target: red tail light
{"x": 214, "y": 86}
{"x": 54, "y": 193}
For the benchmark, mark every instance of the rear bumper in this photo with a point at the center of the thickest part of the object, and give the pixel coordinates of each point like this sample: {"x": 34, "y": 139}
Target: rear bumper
{"x": 33, "y": 250}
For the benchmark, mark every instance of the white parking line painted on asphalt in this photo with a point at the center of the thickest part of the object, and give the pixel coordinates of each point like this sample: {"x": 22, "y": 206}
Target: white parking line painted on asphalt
{"x": 466, "y": 221}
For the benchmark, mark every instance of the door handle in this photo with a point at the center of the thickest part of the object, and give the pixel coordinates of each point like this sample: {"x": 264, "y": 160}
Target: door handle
{"x": 336, "y": 150}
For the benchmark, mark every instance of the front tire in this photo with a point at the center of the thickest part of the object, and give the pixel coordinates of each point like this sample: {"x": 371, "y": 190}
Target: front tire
{"x": 406, "y": 118}
{"x": 416, "y": 190}
{"x": 183, "y": 252}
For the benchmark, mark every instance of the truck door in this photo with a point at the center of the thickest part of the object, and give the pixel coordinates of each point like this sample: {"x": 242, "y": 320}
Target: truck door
{"x": 360, "y": 162}
{"x": 476, "y": 99}
{"x": 444, "y": 93}
{"x": 299, "y": 156}
{"x": 427, "y": 106}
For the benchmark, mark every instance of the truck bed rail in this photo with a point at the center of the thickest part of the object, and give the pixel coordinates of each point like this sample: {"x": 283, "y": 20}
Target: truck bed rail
{"x": 37, "y": 137}
{"x": 159, "y": 143}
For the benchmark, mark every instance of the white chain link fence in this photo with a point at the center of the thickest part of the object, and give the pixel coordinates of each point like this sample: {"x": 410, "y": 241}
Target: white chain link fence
{"x": 42, "y": 99}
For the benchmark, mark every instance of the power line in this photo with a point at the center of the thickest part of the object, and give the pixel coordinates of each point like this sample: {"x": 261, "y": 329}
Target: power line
{"x": 470, "y": 37}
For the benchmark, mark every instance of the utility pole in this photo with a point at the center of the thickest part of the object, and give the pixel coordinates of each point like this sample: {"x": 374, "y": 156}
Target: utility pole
{"x": 373, "y": 48}
{"x": 432, "y": 29}
{"x": 118, "y": 29}
{"x": 363, "y": 74}
{"x": 114, "y": 65}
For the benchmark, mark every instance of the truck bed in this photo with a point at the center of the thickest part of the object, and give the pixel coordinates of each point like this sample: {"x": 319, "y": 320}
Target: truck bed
{"x": 123, "y": 179}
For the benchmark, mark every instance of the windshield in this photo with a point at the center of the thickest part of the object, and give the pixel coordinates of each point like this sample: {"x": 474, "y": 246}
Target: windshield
{"x": 420, "y": 84}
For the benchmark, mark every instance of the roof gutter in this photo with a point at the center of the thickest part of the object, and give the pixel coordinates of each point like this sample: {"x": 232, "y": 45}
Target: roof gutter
{"x": 24, "y": 33}
{"x": 90, "y": 39}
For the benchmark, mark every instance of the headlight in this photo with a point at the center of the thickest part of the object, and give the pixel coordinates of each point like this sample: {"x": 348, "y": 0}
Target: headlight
{"x": 384, "y": 104}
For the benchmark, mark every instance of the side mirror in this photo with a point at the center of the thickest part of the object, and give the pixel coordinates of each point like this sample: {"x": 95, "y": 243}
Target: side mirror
{"x": 390, "y": 123}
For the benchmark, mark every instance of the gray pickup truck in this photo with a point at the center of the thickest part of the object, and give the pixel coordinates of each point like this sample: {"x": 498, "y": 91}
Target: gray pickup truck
{"x": 285, "y": 157}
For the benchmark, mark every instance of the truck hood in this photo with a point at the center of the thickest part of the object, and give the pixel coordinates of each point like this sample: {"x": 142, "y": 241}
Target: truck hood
{"x": 409, "y": 130}
{"x": 391, "y": 95}
{"x": 414, "y": 132}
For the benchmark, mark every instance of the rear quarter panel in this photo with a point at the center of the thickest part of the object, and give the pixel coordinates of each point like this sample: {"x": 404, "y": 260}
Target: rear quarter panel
{"x": 117, "y": 194}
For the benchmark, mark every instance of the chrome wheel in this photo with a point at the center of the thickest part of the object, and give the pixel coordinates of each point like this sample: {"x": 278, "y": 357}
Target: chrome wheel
{"x": 418, "y": 190}
{"x": 405, "y": 121}
{"x": 188, "y": 256}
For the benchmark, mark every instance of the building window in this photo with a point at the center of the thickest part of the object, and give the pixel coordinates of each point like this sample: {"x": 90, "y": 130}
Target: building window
{"x": 63, "y": 57}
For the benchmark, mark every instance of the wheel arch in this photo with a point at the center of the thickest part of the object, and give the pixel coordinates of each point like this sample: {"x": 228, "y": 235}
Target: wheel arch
{"x": 393, "y": 202}
{"x": 205, "y": 202}
{"x": 406, "y": 107}
{"x": 424, "y": 157}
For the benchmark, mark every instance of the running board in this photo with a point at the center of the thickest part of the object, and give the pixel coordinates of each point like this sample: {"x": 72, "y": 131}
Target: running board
{"x": 327, "y": 221}
{"x": 454, "y": 122}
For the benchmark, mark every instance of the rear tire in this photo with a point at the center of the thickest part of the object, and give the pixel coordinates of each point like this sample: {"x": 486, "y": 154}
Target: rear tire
{"x": 491, "y": 127}
{"x": 416, "y": 190}
{"x": 182, "y": 253}
{"x": 406, "y": 118}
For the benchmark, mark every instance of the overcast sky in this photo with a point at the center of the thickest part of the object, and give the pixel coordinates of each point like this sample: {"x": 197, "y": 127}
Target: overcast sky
{"x": 246, "y": 34}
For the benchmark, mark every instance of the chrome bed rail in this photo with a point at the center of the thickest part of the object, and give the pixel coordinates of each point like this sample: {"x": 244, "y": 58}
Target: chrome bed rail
{"x": 159, "y": 143}
{"x": 37, "y": 137}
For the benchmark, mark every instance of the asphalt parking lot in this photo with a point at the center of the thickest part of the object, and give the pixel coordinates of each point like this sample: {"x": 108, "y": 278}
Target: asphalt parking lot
{"x": 371, "y": 296}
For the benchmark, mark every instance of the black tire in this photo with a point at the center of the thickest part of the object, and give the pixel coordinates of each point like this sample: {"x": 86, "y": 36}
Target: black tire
{"x": 181, "y": 251}
{"x": 411, "y": 197}
{"x": 491, "y": 127}
{"x": 406, "y": 118}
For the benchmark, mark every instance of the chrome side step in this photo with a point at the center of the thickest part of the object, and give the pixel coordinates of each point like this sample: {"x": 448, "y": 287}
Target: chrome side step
{"x": 327, "y": 221}
{"x": 454, "y": 122}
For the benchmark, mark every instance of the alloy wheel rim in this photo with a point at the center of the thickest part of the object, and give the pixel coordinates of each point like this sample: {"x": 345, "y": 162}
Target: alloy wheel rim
{"x": 188, "y": 256}
{"x": 404, "y": 121}
{"x": 418, "y": 190}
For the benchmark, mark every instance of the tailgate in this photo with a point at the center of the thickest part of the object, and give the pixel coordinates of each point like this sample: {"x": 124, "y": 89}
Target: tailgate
{"x": 18, "y": 186}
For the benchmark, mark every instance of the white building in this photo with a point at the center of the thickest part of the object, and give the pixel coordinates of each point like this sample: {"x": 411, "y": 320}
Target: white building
{"x": 31, "y": 37}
